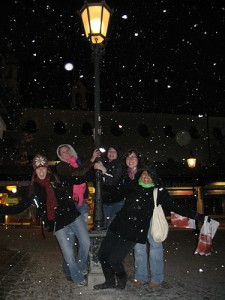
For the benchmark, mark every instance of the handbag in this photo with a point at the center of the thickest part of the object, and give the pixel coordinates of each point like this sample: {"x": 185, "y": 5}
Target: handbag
{"x": 159, "y": 224}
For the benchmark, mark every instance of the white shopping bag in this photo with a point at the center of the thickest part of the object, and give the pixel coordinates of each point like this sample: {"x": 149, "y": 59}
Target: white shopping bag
{"x": 206, "y": 235}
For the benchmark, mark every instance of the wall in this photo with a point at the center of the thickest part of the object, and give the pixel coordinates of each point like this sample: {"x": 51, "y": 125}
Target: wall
{"x": 159, "y": 136}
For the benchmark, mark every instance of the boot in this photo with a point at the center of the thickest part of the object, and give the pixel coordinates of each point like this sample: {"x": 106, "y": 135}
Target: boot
{"x": 121, "y": 280}
{"x": 110, "y": 281}
{"x": 108, "y": 284}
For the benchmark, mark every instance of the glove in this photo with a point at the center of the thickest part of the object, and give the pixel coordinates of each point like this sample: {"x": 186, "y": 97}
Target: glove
{"x": 99, "y": 166}
{"x": 201, "y": 218}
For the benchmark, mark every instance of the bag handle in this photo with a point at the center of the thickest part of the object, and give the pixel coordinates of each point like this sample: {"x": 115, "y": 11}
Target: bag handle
{"x": 155, "y": 194}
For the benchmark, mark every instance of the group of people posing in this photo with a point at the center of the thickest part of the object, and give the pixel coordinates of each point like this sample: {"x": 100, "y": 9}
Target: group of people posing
{"x": 128, "y": 181}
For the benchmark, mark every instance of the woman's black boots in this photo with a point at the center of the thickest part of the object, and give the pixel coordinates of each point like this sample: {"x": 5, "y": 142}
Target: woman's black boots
{"x": 108, "y": 284}
{"x": 110, "y": 281}
{"x": 121, "y": 280}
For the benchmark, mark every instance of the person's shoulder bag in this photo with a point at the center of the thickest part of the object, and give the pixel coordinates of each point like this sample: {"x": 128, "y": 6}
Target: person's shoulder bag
{"x": 159, "y": 224}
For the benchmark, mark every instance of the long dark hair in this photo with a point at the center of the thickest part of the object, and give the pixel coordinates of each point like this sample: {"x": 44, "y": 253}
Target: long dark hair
{"x": 137, "y": 153}
{"x": 53, "y": 177}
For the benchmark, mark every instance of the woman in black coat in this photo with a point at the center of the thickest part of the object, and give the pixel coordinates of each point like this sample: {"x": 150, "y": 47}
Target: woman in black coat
{"x": 131, "y": 225}
{"x": 111, "y": 167}
{"x": 47, "y": 192}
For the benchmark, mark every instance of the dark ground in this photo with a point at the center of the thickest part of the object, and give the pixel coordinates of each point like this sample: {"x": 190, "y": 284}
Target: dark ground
{"x": 30, "y": 268}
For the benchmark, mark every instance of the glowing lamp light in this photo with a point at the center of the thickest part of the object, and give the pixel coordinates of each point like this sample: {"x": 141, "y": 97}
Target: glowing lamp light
{"x": 191, "y": 162}
{"x": 95, "y": 18}
{"x": 11, "y": 188}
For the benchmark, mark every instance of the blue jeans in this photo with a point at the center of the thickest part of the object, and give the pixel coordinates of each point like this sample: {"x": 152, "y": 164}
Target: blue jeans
{"x": 110, "y": 211}
{"x": 83, "y": 209}
{"x": 155, "y": 260}
{"x": 74, "y": 266}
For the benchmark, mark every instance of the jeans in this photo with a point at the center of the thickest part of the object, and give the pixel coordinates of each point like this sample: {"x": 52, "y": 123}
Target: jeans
{"x": 156, "y": 261}
{"x": 83, "y": 209}
{"x": 75, "y": 267}
{"x": 110, "y": 211}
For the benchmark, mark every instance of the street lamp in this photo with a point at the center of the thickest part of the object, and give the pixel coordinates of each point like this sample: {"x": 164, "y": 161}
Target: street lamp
{"x": 192, "y": 164}
{"x": 95, "y": 18}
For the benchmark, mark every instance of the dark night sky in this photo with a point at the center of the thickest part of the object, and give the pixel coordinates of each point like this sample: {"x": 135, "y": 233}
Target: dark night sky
{"x": 162, "y": 56}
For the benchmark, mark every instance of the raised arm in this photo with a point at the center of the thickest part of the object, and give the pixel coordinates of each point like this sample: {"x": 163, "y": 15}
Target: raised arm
{"x": 15, "y": 209}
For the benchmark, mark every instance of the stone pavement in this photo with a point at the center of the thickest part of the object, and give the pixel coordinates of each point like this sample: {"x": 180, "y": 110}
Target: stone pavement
{"x": 33, "y": 270}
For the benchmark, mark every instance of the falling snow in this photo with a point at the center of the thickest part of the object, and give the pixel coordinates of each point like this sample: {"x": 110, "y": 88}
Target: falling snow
{"x": 169, "y": 51}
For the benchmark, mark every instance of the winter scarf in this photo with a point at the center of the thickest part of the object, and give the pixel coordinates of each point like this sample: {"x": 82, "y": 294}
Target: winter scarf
{"x": 145, "y": 185}
{"x": 51, "y": 201}
{"x": 131, "y": 173}
{"x": 78, "y": 189}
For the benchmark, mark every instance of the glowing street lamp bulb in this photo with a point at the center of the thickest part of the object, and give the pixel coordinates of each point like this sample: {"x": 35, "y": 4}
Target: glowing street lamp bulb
{"x": 68, "y": 67}
{"x": 95, "y": 25}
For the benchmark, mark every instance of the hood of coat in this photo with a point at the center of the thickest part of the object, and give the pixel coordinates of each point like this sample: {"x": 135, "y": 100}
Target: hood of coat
{"x": 151, "y": 169}
{"x": 118, "y": 150}
{"x": 74, "y": 153}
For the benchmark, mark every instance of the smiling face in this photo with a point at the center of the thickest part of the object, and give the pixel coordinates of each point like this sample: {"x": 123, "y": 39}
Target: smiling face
{"x": 132, "y": 161}
{"x": 41, "y": 172}
{"x": 146, "y": 178}
{"x": 65, "y": 152}
{"x": 112, "y": 154}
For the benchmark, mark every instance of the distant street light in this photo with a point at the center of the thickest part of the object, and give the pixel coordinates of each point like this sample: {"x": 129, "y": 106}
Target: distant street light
{"x": 95, "y": 18}
{"x": 191, "y": 162}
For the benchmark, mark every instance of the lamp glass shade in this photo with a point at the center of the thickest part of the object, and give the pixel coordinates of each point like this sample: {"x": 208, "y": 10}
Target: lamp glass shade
{"x": 191, "y": 162}
{"x": 95, "y": 18}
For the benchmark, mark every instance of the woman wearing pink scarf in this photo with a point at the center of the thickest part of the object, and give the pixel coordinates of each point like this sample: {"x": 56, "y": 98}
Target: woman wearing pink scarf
{"x": 70, "y": 166}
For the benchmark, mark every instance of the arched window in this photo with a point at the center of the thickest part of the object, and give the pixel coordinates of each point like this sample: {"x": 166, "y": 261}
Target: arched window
{"x": 116, "y": 129}
{"x": 194, "y": 132}
{"x": 168, "y": 131}
{"x": 59, "y": 127}
{"x": 143, "y": 130}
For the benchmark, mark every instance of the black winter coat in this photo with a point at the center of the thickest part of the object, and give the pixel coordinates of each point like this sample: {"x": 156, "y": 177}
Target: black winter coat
{"x": 66, "y": 211}
{"x": 133, "y": 220}
{"x": 111, "y": 180}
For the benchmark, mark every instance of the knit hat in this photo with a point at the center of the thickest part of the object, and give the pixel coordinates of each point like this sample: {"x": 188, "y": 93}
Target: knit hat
{"x": 39, "y": 161}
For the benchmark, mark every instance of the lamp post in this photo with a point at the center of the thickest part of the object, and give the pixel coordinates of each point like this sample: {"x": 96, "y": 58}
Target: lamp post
{"x": 95, "y": 18}
{"x": 192, "y": 164}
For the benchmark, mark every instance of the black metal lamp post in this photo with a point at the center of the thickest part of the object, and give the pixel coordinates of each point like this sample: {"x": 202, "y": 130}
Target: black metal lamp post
{"x": 192, "y": 164}
{"x": 95, "y": 18}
